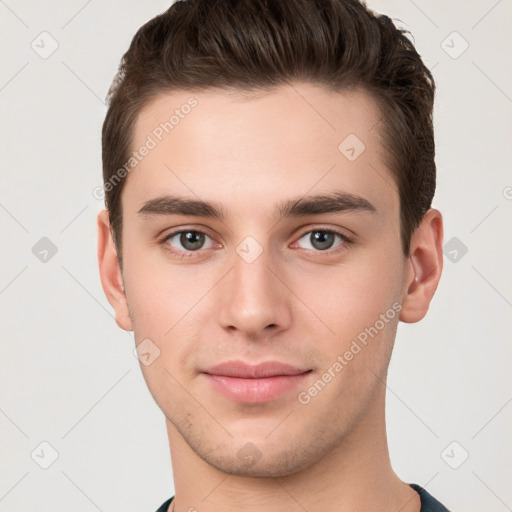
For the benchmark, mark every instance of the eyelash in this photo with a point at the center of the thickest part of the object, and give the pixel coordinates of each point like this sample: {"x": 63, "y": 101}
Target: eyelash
{"x": 188, "y": 254}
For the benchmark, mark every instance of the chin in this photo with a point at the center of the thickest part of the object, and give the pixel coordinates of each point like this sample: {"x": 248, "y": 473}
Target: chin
{"x": 260, "y": 459}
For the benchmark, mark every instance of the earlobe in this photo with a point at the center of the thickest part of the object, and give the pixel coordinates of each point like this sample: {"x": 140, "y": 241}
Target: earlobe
{"x": 424, "y": 267}
{"x": 110, "y": 272}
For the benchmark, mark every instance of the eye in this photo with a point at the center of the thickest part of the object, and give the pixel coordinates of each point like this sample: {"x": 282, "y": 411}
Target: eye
{"x": 188, "y": 242}
{"x": 323, "y": 239}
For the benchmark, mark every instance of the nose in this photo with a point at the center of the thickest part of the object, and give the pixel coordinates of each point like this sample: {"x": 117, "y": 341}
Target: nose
{"x": 253, "y": 301}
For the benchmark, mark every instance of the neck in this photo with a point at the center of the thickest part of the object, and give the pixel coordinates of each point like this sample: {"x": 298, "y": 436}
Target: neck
{"x": 355, "y": 475}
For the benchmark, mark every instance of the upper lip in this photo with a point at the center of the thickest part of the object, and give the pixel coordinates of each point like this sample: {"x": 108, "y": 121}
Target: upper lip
{"x": 246, "y": 371}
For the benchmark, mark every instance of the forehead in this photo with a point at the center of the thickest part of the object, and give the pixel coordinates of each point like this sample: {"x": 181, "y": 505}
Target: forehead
{"x": 301, "y": 108}
{"x": 260, "y": 144}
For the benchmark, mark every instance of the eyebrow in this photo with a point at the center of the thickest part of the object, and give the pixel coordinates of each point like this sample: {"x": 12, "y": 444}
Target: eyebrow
{"x": 334, "y": 202}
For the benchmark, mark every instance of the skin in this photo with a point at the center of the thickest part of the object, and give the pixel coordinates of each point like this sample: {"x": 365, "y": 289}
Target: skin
{"x": 296, "y": 303}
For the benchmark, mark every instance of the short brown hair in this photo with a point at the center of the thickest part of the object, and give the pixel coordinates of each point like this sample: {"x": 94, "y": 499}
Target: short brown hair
{"x": 259, "y": 44}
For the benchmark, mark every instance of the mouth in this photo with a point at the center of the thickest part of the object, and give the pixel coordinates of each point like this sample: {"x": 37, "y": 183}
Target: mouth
{"x": 261, "y": 383}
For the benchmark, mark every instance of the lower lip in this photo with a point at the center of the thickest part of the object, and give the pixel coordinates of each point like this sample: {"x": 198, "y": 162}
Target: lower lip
{"x": 255, "y": 390}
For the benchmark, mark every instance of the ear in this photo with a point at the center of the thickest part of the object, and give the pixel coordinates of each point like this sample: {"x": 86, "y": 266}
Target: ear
{"x": 110, "y": 272}
{"x": 423, "y": 267}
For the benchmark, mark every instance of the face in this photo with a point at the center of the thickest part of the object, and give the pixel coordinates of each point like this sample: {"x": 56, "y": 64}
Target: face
{"x": 256, "y": 276}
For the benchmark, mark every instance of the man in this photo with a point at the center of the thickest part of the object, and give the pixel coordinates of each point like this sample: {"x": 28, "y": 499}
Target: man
{"x": 269, "y": 171}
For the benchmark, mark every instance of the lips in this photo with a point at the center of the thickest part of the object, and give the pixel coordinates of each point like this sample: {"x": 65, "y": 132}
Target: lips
{"x": 246, "y": 383}
{"x": 260, "y": 371}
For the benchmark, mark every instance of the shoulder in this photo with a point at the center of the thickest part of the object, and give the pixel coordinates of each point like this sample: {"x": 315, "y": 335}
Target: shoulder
{"x": 428, "y": 502}
{"x": 164, "y": 506}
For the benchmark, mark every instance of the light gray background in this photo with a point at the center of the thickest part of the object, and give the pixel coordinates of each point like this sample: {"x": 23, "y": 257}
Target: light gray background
{"x": 68, "y": 376}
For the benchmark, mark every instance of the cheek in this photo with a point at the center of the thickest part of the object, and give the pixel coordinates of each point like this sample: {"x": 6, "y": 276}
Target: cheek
{"x": 159, "y": 293}
{"x": 351, "y": 295}
{"x": 167, "y": 303}
{"x": 166, "y": 318}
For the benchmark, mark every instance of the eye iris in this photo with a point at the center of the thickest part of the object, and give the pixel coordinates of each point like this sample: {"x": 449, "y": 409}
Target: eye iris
{"x": 319, "y": 237}
{"x": 193, "y": 238}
